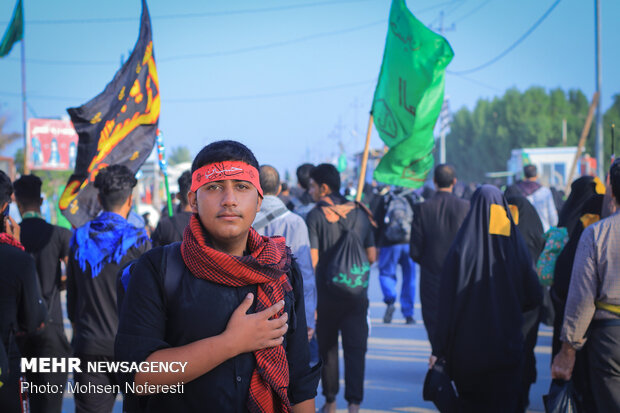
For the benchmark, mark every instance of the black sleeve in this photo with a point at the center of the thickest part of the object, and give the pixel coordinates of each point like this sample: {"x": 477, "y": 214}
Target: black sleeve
{"x": 64, "y": 239}
{"x": 142, "y": 318}
{"x": 71, "y": 288}
{"x": 313, "y": 223}
{"x": 416, "y": 243}
{"x": 379, "y": 216}
{"x": 157, "y": 235}
{"x": 32, "y": 309}
{"x": 303, "y": 380}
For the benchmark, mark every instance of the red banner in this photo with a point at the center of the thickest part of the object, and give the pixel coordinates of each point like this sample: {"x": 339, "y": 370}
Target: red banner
{"x": 52, "y": 144}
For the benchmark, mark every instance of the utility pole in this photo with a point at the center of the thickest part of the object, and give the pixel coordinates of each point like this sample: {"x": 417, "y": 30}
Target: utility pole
{"x": 599, "y": 80}
{"x": 442, "y": 136}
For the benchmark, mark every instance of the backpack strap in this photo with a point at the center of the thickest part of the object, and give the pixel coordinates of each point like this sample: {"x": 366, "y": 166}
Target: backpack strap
{"x": 268, "y": 218}
{"x": 172, "y": 266}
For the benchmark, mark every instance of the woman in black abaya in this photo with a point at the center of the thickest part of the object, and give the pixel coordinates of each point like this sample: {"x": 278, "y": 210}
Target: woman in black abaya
{"x": 487, "y": 282}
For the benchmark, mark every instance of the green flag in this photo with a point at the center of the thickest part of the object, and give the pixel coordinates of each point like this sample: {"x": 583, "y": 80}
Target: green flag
{"x": 15, "y": 32}
{"x": 408, "y": 97}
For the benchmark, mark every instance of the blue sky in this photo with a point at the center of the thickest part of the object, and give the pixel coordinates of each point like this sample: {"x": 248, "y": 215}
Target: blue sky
{"x": 292, "y": 79}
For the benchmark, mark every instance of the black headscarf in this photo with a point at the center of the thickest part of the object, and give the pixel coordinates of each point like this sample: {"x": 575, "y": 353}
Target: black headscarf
{"x": 488, "y": 280}
{"x": 564, "y": 264}
{"x": 528, "y": 222}
{"x": 582, "y": 189}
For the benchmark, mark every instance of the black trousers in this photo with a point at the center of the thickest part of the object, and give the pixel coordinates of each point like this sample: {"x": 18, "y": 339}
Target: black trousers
{"x": 93, "y": 402}
{"x": 604, "y": 360}
{"x": 429, "y": 299}
{"x": 348, "y": 317}
{"x": 51, "y": 342}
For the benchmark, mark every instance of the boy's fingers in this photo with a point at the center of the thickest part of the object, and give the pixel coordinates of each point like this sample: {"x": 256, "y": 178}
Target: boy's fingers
{"x": 245, "y": 304}
{"x": 278, "y": 322}
{"x": 275, "y": 342}
{"x": 273, "y": 310}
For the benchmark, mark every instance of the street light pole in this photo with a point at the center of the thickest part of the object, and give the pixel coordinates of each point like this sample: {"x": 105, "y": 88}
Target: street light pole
{"x": 600, "y": 160}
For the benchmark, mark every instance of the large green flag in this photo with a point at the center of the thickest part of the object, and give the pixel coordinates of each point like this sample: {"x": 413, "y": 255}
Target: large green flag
{"x": 408, "y": 97}
{"x": 15, "y": 32}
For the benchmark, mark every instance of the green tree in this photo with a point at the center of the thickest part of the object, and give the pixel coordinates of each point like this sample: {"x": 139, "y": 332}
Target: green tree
{"x": 481, "y": 140}
{"x": 611, "y": 117}
{"x": 18, "y": 158}
{"x": 179, "y": 154}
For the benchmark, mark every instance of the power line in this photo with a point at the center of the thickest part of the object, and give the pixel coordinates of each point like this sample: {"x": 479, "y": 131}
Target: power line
{"x": 509, "y": 49}
{"x": 210, "y": 54}
{"x": 477, "y": 82}
{"x": 191, "y": 15}
{"x": 275, "y": 44}
{"x": 36, "y": 96}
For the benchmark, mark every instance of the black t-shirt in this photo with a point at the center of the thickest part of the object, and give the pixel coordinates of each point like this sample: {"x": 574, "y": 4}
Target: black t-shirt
{"x": 48, "y": 244}
{"x": 324, "y": 234}
{"x": 170, "y": 229}
{"x": 201, "y": 309}
{"x": 91, "y": 304}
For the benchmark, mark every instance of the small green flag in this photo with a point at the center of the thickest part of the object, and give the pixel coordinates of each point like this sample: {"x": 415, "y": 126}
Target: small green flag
{"x": 408, "y": 97}
{"x": 15, "y": 32}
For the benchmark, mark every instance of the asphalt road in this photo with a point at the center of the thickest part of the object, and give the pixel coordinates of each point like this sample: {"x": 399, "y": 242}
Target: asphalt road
{"x": 396, "y": 363}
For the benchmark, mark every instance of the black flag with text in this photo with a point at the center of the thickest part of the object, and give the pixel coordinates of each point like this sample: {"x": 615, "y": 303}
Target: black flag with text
{"x": 118, "y": 126}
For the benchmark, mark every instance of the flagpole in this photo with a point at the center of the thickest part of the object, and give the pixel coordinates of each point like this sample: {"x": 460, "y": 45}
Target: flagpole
{"x": 360, "y": 184}
{"x": 23, "y": 64}
{"x": 164, "y": 168}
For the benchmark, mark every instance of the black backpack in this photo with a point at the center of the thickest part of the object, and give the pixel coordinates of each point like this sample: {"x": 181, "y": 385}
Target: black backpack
{"x": 346, "y": 269}
{"x": 398, "y": 219}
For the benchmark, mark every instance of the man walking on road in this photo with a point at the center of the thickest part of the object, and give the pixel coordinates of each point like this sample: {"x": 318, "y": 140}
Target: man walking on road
{"x": 395, "y": 216}
{"x": 593, "y": 306}
{"x": 98, "y": 250}
{"x": 435, "y": 224}
{"x": 49, "y": 246}
{"x": 339, "y": 311}
{"x": 539, "y": 196}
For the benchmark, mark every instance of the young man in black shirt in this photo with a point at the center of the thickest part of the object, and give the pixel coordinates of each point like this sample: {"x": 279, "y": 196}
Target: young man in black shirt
{"x": 49, "y": 245}
{"x": 22, "y": 310}
{"x": 98, "y": 250}
{"x": 336, "y": 313}
{"x": 170, "y": 229}
{"x": 233, "y": 361}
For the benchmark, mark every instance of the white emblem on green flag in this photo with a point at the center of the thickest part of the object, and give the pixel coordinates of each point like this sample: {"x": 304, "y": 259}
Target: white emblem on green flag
{"x": 15, "y": 32}
{"x": 408, "y": 97}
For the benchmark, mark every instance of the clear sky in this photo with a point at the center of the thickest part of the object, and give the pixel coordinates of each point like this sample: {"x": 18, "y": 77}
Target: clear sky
{"x": 293, "y": 79}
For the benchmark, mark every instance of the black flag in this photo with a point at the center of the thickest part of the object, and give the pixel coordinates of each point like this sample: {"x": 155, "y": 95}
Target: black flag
{"x": 118, "y": 126}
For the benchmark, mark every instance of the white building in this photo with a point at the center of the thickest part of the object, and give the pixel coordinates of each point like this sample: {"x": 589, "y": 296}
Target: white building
{"x": 553, "y": 164}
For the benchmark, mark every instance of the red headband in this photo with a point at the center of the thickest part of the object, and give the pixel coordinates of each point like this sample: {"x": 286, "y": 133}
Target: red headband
{"x": 220, "y": 171}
